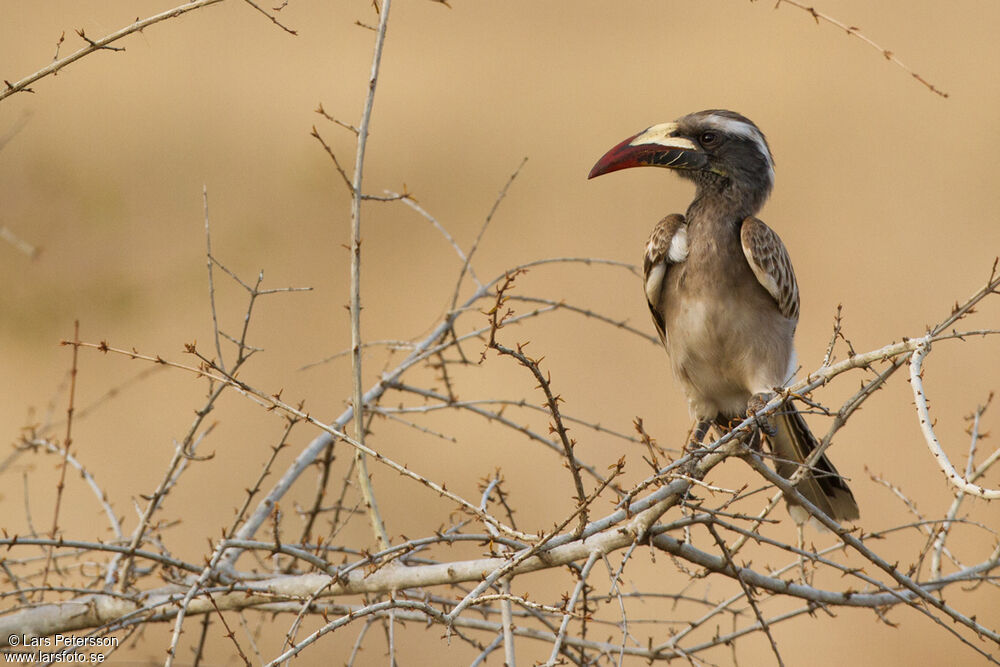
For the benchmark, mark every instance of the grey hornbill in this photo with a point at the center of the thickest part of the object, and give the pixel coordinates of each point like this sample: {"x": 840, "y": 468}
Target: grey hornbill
{"x": 721, "y": 289}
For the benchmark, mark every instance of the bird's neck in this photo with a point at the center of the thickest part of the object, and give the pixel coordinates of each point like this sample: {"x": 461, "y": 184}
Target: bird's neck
{"x": 719, "y": 197}
{"x": 713, "y": 208}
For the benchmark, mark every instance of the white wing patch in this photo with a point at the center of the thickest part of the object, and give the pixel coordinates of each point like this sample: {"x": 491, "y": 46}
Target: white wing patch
{"x": 678, "y": 250}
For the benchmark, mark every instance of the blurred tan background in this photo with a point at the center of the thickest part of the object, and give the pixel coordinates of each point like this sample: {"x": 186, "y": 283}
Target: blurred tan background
{"x": 886, "y": 197}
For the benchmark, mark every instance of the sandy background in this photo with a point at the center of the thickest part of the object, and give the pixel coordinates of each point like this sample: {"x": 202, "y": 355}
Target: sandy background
{"x": 886, "y": 197}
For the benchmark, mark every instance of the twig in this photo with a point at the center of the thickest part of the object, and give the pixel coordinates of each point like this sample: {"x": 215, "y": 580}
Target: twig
{"x": 855, "y": 32}
{"x": 482, "y": 230}
{"x": 19, "y": 244}
{"x": 333, "y": 156}
{"x": 580, "y": 586}
{"x": 364, "y": 481}
{"x": 507, "y": 621}
{"x": 67, "y": 443}
{"x": 904, "y": 581}
{"x": 837, "y": 322}
{"x": 970, "y": 475}
{"x": 211, "y": 279}
{"x": 747, "y": 593}
{"x": 927, "y": 428}
{"x": 15, "y": 129}
{"x": 391, "y": 344}
{"x": 229, "y": 632}
{"x": 497, "y": 316}
{"x": 274, "y": 19}
{"x": 99, "y": 493}
{"x": 347, "y": 126}
{"x": 100, "y": 44}
{"x": 409, "y": 201}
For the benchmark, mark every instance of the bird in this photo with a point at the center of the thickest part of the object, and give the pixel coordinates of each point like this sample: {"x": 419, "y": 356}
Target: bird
{"x": 722, "y": 292}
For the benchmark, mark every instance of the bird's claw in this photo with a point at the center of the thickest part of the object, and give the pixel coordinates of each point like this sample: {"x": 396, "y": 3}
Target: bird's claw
{"x": 754, "y": 405}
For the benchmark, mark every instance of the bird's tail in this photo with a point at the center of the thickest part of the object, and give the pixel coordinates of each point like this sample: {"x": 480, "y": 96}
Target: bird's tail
{"x": 822, "y": 486}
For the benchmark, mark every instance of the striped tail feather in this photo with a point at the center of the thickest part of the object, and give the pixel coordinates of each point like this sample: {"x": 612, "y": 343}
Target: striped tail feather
{"x": 822, "y": 486}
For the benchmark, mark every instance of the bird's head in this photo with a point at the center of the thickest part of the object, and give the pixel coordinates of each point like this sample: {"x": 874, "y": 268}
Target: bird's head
{"x": 723, "y": 152}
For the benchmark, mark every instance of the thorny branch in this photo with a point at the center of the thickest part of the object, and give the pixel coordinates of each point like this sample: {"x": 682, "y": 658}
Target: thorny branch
{"x": 526, "y": 553}
{"x": 67, "y": 442}
{"x": 854, "y": 31}
{"x": 94, "y": 45}
{"x": 460, "y": 573}
{"x": 562, "y": 548}
{"x": 497, "y": 315}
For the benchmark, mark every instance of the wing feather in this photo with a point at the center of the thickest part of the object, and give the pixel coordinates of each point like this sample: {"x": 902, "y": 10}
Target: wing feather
{"x": 667, "y": 246}
{"x": 769, "y": 260}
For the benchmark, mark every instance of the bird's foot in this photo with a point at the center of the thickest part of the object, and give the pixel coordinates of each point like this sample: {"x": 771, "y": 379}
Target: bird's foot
{"x": 754, "y": 405}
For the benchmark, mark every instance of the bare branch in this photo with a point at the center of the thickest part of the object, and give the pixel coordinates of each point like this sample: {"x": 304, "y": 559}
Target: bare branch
{"x": 855, "y": 32}
{"x": 364, "y": 481}
{"x": 100, "y": 44}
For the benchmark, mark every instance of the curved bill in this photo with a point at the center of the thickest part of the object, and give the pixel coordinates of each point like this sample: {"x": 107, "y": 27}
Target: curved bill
{"x": 656, "y": 146}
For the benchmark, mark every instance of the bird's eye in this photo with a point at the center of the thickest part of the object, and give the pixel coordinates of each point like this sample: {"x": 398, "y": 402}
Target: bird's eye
{"x": 708, "y": 138}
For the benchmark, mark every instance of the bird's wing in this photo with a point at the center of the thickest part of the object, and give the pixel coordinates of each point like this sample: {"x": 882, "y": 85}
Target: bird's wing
{"x": 768, "y": 258}
{"x": 667, "y": 246}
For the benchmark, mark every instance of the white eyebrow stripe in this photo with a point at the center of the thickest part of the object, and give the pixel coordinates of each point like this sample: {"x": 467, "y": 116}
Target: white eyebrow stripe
{"x": 744, "y": 130}
{"x": 737, "y": 127}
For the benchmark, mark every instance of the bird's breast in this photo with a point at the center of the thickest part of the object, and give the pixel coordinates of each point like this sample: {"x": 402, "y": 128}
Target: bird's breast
{"x": 725, "y": 337}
